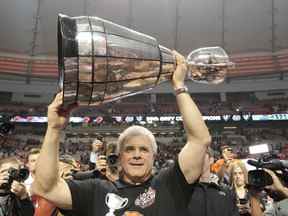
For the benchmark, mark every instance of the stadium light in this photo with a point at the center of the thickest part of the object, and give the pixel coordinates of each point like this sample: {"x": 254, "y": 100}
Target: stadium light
{"x": 259, "y": 149}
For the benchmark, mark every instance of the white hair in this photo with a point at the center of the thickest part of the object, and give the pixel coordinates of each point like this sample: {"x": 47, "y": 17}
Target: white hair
{"x": 136, "y": 130}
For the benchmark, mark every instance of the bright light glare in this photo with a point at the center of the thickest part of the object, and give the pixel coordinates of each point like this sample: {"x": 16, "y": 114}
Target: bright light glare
{"x": 258, "y": 149}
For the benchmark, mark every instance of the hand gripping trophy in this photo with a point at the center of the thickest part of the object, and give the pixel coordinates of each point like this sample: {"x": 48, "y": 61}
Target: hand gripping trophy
{"x": 100, "y": 61}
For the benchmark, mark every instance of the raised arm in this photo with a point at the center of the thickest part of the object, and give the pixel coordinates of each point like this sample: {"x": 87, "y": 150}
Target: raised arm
{"x": 192, "y": 154}
{"x": 48, "y": 183}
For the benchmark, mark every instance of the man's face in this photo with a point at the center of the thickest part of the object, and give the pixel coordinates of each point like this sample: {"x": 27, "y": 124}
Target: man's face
{"x": 31, "y": 164}
{"x": 97, "y": 146}
{"x": 136, "y": 159}
{"x": 238, "y": 176}
{"x": 227, "y": 154}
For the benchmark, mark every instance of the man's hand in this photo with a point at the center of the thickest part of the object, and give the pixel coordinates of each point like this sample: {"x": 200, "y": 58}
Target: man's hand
{"x": 58, "y": 117}
{"x": 179, "y": 74}
{"x": 243, "y": 208}
{"x": 4, "y": 177}
{"x": 101, "y": 164}
{"x": 19, "y": 190}
{"x": 277, "y": 185}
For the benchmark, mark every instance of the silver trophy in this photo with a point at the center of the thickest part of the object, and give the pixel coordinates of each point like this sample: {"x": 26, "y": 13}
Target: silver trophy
{"x": 114, "y": 202}
{"x": 100, "y": 61}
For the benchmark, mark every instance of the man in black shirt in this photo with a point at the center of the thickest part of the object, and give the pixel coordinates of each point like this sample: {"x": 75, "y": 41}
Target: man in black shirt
{"x": 208, "y": 197}
{"x": 137, "y": 192}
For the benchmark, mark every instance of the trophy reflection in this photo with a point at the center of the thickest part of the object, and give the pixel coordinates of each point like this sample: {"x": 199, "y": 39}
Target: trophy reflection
{"x": 100, "y": 61}
{"x": 114, "y": 202}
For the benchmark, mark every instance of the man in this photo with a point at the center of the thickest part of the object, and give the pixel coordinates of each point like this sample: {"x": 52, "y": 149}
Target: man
{"x": 96, "y": 149}
{"x": 107, "y": 166}
{"x": 208, "y": 197}
{"x": 137, "y": 192}
{"x": 221, "y": 166}
{"x": 279, "y": 208}
{"x": 14, "y": 198}
{"x": 31, "y": 164}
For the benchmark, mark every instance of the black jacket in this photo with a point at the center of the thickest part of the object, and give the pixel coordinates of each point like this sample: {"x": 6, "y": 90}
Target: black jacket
{"x": 210, "y": 199}
{"x": 10, "y": 205}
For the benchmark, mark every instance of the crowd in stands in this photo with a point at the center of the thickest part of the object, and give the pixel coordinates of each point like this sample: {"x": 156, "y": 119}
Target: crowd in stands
{"x": 78, "y": 144}
{"x": 210, "y": 104}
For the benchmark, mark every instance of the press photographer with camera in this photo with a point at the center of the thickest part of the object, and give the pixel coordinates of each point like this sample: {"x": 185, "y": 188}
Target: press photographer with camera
{"x": 107, "y": 166}
{"x": 279, "y": 208}
{"x": 271, "y": 176}
{"x": 97, "y": 147}
{"x": 14, "y": 197}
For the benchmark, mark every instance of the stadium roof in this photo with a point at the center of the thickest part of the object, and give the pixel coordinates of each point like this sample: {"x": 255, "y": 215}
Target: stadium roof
{"x": 238, "y": 26}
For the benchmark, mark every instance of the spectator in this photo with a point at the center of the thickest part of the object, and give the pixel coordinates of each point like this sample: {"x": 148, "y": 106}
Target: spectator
{"x": 247, "y": 202}
{"x": 31, "y": 164}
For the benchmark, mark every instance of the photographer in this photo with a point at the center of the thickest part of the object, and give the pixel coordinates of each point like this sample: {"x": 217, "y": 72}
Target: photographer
{"x": 279, "y": 208}
{"x": 96, "y": 148}
{"x": 14, "y": 198}
{"x": 106, "y": 166}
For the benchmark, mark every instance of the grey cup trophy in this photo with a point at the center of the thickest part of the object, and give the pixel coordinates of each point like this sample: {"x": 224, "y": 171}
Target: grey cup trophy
{"x": 100, "y": 61}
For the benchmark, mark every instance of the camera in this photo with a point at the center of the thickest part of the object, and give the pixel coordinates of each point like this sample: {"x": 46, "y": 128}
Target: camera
{"x": 112, "y": 159}
{"x": 6, "y": 128}
{"x": 258, "y": 179}
{"x": 243, "y": 201}
{"x": 19, "y": 175}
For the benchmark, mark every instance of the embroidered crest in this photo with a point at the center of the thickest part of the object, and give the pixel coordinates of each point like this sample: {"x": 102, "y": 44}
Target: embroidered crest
{"x": 146, "y": 199}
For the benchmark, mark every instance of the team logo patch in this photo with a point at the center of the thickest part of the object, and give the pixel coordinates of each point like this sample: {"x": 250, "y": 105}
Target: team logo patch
{"x": 146, "y": 199}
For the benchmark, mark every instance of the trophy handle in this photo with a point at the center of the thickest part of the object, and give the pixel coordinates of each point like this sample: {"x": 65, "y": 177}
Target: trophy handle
{"x": 124, "y": 203}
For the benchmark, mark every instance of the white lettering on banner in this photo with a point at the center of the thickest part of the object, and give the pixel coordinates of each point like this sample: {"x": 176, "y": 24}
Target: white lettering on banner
{"x": 178, "y": 118}
{"x": 151, "y": 119}
{"x": 167, "y": 118}
{"x": 117, "y": 118}
{"x": 212, "y": 118}
{"x": 236, "y": 118}
{"x": 129, "y": 119}
{"x": 226, "y": 117}
{"x": 139, "y": 118}
{"x": 246, "y": 116}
